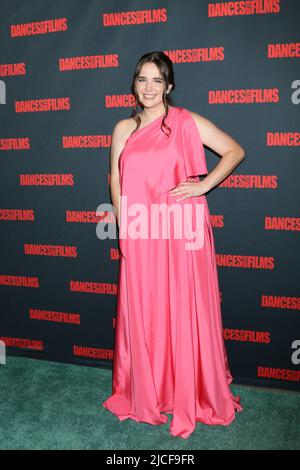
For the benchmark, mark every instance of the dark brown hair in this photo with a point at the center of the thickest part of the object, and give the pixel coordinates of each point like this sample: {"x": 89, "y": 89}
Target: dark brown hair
{"x": 165, "y": 66}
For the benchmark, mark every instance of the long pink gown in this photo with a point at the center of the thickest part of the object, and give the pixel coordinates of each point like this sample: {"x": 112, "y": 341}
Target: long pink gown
{"x": 169, "y": 351}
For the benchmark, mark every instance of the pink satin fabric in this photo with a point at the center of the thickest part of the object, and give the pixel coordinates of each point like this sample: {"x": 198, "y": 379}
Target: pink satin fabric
{"x": 169, "y": 351}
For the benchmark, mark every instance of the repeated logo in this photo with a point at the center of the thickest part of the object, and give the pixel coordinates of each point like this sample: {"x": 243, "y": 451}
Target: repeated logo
{"x": 72, "y": 140}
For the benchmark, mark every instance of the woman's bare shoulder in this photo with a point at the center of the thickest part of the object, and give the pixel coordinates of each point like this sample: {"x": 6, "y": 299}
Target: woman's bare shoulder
{"x": 120, "y": 134}
{"x": 123, "y": 128}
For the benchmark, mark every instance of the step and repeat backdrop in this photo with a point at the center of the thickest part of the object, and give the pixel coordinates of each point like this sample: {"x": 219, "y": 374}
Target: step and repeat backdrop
{"x": 65, "y": 74}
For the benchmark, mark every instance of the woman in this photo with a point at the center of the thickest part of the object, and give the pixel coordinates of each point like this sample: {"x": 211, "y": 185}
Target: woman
{"x": 169, "y": 353}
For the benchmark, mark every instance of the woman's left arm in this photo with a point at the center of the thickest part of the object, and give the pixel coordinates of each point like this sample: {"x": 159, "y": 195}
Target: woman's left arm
{"x": 223, "y": 144}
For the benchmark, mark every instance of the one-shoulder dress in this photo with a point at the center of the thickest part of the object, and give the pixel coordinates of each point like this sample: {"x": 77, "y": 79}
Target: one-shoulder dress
{"x": 169, "y": 351}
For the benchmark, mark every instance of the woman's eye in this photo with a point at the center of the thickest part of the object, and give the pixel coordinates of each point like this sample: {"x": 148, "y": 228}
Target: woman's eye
{"x": 142, "y": 80}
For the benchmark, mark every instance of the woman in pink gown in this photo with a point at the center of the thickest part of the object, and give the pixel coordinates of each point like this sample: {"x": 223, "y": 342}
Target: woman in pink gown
{"x": 169, "y": 352}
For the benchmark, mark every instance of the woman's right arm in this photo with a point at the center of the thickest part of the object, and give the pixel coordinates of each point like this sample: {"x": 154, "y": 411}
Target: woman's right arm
{"x": 118, "y": 140}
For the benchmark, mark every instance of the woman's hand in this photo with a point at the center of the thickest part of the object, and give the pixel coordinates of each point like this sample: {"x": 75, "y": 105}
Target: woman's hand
{"x": 188, "y": 189}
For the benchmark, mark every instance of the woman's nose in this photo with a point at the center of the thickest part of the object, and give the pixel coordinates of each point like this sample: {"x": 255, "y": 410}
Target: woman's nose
{"x": 148, "y": 86}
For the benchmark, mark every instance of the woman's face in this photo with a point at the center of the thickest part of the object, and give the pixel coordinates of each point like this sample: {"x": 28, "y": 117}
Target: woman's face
{"x": 149, "y": 85}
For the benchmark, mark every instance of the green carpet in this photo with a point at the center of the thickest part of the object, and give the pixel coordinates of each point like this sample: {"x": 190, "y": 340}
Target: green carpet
{"x": 49, "y": 405}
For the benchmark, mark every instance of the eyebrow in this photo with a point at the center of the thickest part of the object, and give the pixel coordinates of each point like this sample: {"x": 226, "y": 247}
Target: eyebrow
{"x": 142, "y": 76}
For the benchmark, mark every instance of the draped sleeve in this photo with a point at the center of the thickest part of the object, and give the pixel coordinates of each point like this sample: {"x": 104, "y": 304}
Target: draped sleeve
{"x": 151, "y": 163}
{"x": 192, "y": 147}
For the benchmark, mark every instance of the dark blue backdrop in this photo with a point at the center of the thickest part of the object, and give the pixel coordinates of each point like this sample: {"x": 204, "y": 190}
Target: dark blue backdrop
{"x": 65, "y": 71}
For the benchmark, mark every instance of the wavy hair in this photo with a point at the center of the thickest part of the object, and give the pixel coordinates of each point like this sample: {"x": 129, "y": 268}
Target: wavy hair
{"x": 165, "y": 66}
